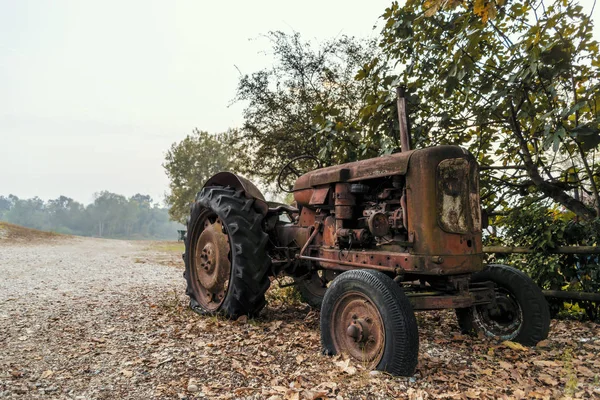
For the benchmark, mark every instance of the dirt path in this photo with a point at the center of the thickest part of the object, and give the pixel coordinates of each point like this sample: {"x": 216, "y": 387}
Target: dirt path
{"x": 106, "y": 319}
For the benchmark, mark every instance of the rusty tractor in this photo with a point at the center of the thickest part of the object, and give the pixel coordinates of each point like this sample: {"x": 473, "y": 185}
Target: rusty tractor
{"x": 369, "y": 243}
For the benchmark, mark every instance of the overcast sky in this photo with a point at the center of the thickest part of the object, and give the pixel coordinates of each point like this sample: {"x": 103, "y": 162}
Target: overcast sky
{"x": 92, "y": 94}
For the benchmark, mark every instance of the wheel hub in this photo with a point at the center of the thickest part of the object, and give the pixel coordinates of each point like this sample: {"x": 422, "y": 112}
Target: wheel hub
{"x": 207, "y": 258}
{"x": 358, "y": 329}
{"x": 212, "y": 265}
{"x": 502, "y": 320}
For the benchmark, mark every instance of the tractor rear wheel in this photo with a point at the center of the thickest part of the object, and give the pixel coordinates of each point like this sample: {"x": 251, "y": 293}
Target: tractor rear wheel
{"x": 366, "y": 315}
{"x": 226, "y": 265}
{"x": 521, "y": 313}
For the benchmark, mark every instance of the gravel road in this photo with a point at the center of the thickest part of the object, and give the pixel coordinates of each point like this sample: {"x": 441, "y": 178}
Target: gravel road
{"x": 68, "y": 306}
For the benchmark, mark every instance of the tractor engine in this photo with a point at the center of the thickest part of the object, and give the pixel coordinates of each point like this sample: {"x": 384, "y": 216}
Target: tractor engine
{"x": 404, "y": 213}
{"x": 362, "y": 215}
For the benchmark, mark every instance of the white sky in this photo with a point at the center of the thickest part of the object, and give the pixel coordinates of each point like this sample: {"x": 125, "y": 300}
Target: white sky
{"x": 92, "y": 94}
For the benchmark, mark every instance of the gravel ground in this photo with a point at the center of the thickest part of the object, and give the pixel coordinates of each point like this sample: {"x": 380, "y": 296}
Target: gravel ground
{"x": 69, "y": 312}
{"x": 85, "y": 318}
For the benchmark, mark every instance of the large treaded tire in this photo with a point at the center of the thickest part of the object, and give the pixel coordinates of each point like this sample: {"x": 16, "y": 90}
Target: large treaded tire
{"x": 535, "y": 317}
{"x": 249, "y": 275}
{"x": 401, "y": 344}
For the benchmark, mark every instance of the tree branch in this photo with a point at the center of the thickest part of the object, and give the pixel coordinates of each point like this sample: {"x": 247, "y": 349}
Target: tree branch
{"x": 545, "y": 187}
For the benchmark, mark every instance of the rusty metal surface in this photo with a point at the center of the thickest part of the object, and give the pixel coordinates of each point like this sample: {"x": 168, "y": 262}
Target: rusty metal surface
{"x": 329, "y": 232}
{"x": 393, "y": 164}
{"x": 405, "y": 262}
{"x": 329, "y": 175}
{"x": 453, "y": 195}
{"x": 292, "y": 235}
{"x": 345, "y": 265}
{"x": 319, "y": 196}
{"x": 236, "y": 181}
{"x": 307, "y": 217}
{"x": 211, "y": 265}
{"x": 378, "y": 224}
{"x": 357, "y": 328}
{"x": 474, "y": 200}
{"x": 302, "y": 197}
{"x": 422, "y": 208}
{"x": 314, "y": 233}
{"x": 402, "y": 118}
{"x": 344, "y": 201}
{"x": 428, "y": 248}
{"x": 440, "y": 302}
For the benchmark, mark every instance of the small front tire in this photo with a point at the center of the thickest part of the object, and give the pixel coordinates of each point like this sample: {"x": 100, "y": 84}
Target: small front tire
{"x": 521, "y": 313}
{"x": 366, "y": 315}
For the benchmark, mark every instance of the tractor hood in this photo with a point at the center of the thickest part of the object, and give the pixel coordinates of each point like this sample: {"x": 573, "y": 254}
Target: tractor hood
{"x": 393, "y": 164}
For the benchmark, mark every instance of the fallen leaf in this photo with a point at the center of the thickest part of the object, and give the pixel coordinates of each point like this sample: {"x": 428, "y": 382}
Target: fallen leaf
{"x": 543, "y": 343}
{"x": 548, "y": 380}
{"x": 545, "y": 363}
{"x": 346, "y": 367}
{"x": 314, "y": 395}
{"x": 514, "y": 345}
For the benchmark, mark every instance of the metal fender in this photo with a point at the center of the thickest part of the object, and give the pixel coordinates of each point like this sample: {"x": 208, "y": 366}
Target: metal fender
{"x": 239, "y": 183}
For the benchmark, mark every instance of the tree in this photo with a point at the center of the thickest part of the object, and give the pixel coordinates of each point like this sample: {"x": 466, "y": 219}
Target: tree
{"x": 189, "y": 164}
{"x": 517, "y": 84}
{"x": 308, "y": 102}
{"x": 111, "y": 215}
{"x": 66, "y": 215}
{"x": 5, "y": 205}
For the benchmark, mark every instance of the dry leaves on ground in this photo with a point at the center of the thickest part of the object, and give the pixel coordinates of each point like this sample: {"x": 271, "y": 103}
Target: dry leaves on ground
{"x": 145, "y": 343}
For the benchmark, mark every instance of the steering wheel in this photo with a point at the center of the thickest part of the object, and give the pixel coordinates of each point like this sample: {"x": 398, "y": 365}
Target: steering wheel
{"x": 288, "y": 169}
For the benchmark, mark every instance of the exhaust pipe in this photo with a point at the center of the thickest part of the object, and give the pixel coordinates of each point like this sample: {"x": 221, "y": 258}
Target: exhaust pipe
{"x": 403, "y": 119}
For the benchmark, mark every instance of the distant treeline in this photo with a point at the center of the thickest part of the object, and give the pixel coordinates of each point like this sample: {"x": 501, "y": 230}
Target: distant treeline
{"x": 110, "y": 215}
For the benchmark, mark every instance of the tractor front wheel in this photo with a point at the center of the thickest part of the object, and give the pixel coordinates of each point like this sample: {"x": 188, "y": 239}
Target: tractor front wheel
{"x": 366, "y": 315}
{"x": 520, "y": 314}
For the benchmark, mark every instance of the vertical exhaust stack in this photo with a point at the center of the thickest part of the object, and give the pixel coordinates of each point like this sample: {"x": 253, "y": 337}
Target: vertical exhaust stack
{"x": 403, "y": 119}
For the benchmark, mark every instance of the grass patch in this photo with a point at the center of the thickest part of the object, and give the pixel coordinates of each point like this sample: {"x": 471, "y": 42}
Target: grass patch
{"x": 168, "y": 247}
{"x": 283, "y": 296}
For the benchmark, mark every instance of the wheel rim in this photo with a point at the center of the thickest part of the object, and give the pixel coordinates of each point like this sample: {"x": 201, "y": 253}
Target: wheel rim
{"x": 211, "y": 264}
{"x": 357, "y": 328}
{"x": 504, "y": 320}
